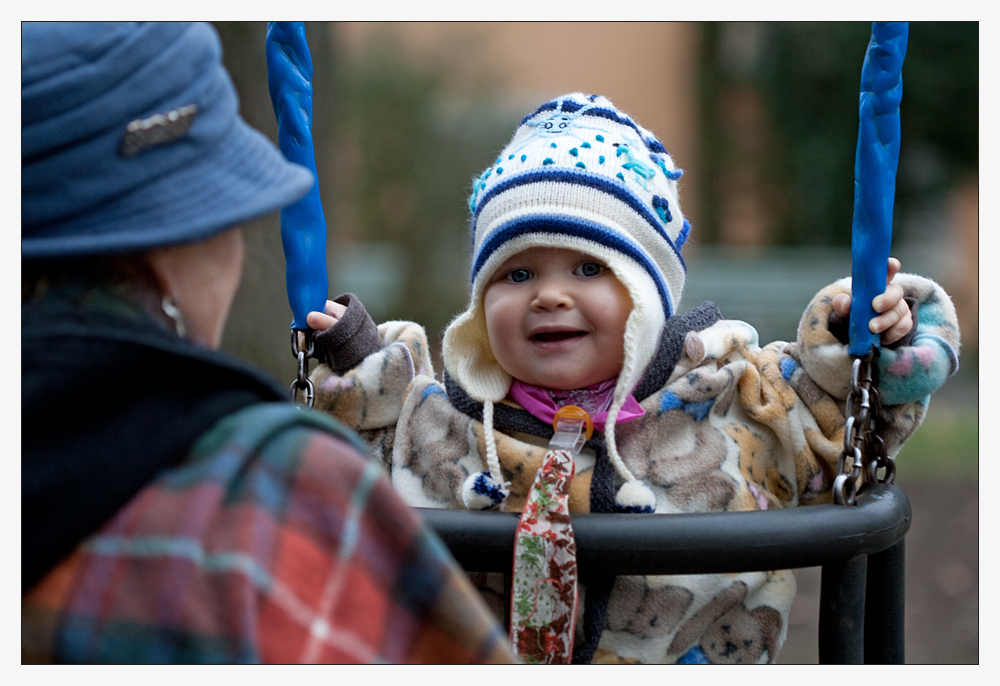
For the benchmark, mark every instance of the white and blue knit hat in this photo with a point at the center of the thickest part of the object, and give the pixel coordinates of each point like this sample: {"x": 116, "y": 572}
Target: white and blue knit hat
{"x": 582, "y": 175}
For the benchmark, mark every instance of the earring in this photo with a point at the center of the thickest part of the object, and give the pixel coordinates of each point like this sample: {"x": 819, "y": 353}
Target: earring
{"x": 174, "y": 314}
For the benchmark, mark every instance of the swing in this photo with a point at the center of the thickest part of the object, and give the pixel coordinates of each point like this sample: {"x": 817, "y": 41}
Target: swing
{"x": 858, "y": 541}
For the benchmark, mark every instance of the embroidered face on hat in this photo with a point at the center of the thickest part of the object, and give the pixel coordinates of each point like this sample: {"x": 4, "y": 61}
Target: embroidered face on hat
{"x": 582, "y": 175}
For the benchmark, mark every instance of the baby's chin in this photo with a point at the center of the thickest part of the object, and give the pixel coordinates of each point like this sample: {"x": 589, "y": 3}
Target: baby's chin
{"x": 567, "y": 382}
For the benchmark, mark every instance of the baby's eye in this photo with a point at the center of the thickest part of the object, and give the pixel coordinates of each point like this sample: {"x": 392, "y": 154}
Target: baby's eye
{"x": 589, "y": 269}
{"x": 518, "y": 275}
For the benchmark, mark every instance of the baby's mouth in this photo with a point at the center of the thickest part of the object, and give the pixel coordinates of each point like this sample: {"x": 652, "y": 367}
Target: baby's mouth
{"x": 554, "y": 336}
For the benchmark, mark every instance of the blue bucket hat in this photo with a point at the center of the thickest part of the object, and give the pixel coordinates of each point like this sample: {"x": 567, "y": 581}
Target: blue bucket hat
{"x": 131, "y": 139}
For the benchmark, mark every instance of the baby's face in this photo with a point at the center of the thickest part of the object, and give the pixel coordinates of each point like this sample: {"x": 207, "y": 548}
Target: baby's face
{"x": 556, "y": 318}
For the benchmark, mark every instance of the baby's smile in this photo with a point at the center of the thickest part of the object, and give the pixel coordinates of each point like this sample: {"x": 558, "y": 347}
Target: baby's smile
{"x": 556, "y": 318}
{"x": 555, "y": 335}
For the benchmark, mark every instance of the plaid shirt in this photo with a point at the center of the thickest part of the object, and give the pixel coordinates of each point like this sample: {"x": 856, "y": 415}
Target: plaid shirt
{"x": 274, "y": 541}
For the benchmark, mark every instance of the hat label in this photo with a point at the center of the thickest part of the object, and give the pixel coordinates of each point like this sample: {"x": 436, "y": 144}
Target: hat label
{"x": 160, "y": 129}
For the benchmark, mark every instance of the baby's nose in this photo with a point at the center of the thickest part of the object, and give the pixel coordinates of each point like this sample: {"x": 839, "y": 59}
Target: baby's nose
{"x": 552, "y": 294}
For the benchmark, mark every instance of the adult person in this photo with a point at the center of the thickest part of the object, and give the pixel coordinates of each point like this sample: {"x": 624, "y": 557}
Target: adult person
{"x": 176, "y": 507}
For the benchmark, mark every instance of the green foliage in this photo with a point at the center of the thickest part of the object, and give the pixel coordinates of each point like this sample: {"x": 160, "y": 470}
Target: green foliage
{"x": 258, "y": 326}
{"x": 945, "y": 447}
{"x": 941, "y": 91}
{"x": 414, "y": 145}
{"x": 805, "y": 78}
{"x": 396, "y": 150}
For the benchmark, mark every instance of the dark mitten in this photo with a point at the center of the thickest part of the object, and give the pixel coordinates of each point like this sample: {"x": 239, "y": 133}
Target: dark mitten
{"x": 353, "y": 338}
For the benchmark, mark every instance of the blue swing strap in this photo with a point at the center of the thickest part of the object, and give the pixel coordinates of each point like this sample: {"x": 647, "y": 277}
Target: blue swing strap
{"x": 303, "y": 226}
{"x": 864, "y": 453}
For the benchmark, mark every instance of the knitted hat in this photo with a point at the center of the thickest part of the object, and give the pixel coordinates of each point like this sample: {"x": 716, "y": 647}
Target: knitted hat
{"x": 131, "y": 139}
{"x": 582, "y": 175}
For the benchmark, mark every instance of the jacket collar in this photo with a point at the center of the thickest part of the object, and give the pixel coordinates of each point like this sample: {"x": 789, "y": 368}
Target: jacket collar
{"x": 109, "y": 399}
{"x": 657, "y": 373}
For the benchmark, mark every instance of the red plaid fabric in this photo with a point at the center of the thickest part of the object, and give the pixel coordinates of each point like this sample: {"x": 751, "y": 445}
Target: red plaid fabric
{"x": 275, "y": 541}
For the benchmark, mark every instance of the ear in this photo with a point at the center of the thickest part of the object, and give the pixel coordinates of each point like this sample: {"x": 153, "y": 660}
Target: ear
{"x": 164, "y": 269}
{"x": 201, "y": 279}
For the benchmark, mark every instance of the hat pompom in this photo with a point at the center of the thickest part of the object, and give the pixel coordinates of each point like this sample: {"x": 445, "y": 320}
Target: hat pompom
{"x": 635, "y": 497}
{"x": 481, "y": 492}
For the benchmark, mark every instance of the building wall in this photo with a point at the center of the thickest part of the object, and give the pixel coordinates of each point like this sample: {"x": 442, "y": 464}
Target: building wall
{"x": 647, "y": 69}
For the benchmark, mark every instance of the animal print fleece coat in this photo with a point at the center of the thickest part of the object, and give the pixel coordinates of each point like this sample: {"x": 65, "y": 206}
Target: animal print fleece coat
{"x": 729, "y": 426}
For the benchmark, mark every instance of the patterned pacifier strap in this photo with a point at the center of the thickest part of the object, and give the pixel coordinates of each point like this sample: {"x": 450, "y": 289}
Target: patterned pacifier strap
{"x": 545, "y": 577}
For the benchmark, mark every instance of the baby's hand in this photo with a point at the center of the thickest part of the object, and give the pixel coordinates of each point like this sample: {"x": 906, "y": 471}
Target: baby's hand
{"x": 321, "y": 321}
{"x": 894, "y": 320}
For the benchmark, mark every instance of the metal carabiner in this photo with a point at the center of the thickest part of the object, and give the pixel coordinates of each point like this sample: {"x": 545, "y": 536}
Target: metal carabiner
{"x": 302, "y": 376}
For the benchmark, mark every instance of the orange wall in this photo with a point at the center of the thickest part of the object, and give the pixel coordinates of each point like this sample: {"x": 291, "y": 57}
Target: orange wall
{"x": 646, "y": 68}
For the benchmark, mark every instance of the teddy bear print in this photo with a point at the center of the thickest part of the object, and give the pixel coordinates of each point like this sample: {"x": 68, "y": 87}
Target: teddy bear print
{"x": 682, "y": 455}
{"x": 644, "y": 611}
{"x": 436, "y": 449}
{"x": 729, "y": 632}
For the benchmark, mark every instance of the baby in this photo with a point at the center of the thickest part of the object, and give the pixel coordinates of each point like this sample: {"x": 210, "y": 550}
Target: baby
{"x": 577, "y": 277}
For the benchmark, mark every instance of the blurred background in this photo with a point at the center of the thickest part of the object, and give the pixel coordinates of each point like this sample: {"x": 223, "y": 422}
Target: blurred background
{"x": 763, "y": 119}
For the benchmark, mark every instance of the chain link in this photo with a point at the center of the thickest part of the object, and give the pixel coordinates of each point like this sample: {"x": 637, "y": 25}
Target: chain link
{"x": 864, "y": 452}
{"x": 302, "y": 381}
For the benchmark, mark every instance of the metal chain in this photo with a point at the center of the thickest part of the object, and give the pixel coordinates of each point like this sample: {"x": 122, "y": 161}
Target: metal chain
{"x": 302, "y": 378}
{"x": 864, "y": 452}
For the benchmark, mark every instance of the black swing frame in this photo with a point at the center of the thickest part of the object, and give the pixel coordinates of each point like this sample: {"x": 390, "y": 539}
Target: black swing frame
{"x": 860, "y": 549}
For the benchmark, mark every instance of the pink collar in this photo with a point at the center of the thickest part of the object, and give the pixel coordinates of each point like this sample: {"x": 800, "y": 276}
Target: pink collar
{"x": 596, "y": 399}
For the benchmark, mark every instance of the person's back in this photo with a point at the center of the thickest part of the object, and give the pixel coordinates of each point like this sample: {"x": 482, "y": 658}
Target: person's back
{"x": 176, "y": 507}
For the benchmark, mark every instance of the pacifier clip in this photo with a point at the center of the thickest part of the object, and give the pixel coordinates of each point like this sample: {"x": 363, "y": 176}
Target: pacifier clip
{"x": 545, "y": 578}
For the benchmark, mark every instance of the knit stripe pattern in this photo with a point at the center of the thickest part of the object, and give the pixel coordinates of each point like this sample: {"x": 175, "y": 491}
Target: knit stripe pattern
{"x": 582, "y": 175}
